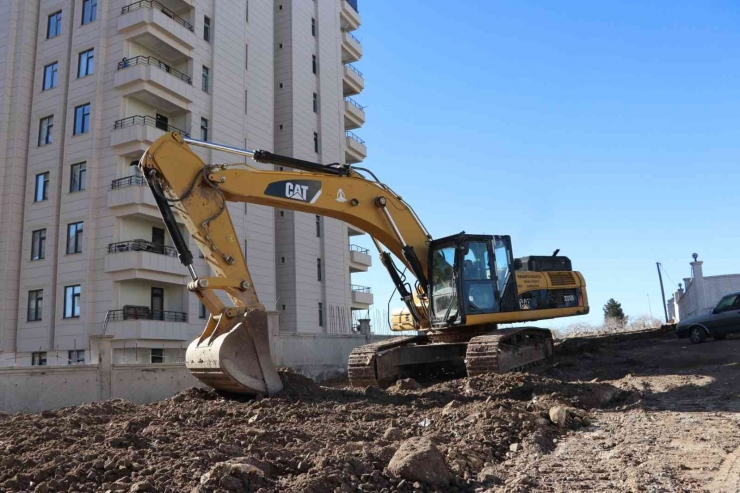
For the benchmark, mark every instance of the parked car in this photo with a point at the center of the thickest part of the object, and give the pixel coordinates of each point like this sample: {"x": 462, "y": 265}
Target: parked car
{"x": 722, "y": 320}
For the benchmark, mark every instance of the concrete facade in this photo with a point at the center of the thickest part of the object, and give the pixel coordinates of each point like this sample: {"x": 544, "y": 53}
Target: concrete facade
{"x": 701, "y": 293}
{"x": 213, "y": 69}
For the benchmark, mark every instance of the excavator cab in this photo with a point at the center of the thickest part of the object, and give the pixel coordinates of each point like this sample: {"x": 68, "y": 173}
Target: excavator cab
{"x": 469, "y": 275}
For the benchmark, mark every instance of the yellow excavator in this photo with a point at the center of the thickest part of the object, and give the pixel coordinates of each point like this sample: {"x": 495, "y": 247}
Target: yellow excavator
{"x": 465, "y": 285}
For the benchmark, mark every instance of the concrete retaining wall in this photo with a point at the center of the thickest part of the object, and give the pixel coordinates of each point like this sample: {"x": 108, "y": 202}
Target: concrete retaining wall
{"x": 35, "y": 389}
{"x": 318, "y": 356}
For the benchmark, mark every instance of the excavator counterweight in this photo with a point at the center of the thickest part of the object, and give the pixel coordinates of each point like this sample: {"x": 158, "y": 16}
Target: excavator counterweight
{"x": 465, "y": 285}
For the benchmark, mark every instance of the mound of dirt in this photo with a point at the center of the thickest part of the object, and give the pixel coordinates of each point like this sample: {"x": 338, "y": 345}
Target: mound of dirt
{"x": 308, "y": 439}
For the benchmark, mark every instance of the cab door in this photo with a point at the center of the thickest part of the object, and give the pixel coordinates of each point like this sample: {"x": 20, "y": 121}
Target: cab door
{"x": 478, "y": 281}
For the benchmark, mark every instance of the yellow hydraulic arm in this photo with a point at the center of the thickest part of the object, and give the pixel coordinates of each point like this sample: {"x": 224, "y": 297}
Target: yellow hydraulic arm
{"x": 180, "y": 180}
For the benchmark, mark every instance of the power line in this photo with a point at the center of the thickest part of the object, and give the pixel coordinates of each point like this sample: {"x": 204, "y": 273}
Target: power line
{"x": 666, "y": 274}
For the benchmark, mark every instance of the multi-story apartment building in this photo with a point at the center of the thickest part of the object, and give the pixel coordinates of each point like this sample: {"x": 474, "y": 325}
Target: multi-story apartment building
{"x": 85, "y": 87}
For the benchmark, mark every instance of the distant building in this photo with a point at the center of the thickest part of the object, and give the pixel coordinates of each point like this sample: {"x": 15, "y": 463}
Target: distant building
{"x": 701, "y": 293}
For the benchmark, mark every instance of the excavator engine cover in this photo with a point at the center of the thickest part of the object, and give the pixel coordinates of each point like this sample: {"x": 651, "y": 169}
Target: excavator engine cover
{"x": 237, "y": 359}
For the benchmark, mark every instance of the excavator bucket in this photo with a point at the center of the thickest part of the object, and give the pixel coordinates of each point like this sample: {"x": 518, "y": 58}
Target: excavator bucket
{"x": 236, "y": 358}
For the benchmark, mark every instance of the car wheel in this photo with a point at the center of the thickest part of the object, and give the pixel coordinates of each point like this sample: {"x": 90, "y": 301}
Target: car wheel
{"x": 697, "y": 335}
{"x": 720, "y": 337}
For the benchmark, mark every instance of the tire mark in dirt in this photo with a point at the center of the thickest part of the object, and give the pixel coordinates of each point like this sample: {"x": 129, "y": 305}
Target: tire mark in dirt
{"x": 728, "y": 476}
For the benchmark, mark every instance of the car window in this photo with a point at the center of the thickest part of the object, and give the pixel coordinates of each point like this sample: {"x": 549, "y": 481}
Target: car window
{"x": 737, "y": 303}
{"x": 726, "y": 303}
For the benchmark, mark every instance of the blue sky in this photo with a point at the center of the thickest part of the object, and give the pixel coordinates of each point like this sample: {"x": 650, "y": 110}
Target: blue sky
{"x": 606, "y": 129}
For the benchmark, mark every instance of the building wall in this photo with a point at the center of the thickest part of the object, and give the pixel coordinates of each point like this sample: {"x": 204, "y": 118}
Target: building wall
{"x": 244, "y": 107}
{"x": 298, "y": 286}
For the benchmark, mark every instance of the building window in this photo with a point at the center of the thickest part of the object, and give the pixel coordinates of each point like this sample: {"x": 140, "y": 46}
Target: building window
{"x": 42, "y": 187}
{"x": 202, "y": 312}
{"x": 72, "y": 301}
{"x": 246, "y": 102}
{"x": 318, "y": 269}
{"x": 45, "y": 126}
{"x": 54, "y": 25}
{"x": 50, "y": 76}
{"x": 318, "y": 226}
{"x": 282, "y": 213}
{"x": 245, "y": 249}
{"x": 283, "y": 307}
{"x": 282, "y": 260}
{"x": 321, "y": 314}
{"x": 74, "y": 238}
{"x": 157, "y": 356}
{"x": 315, "y": 103}
{"x": 206, "y": 83}
{"x": 82, "y": 119}
{"x": 86, "y": 63}
{"x": 35, "y": 305}
{"x": 89, "y": 11}
{"x": 313, "y": 27}
{"x": 246, "y": 57}
{"x": 76, "y": 357}
{"x": 247, "y": 2}
{"x": 38, "y": 244}
{"x": 313, "y": 63}
{"x": 203, "y": 129}
{"x": 207, "y": 28}
{"x": 315, "y": 142}
{"x": 77, "y": 177}
{"x": 38, "y": 359}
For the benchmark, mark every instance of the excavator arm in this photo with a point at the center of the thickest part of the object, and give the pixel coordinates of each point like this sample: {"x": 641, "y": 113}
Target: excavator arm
{"x": 232, "y": 353}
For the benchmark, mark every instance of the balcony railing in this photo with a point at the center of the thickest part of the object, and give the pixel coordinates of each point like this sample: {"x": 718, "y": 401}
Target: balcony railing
{"x": 355, "y": 103}
{"x": 353, "y": 36}
{"x": 147, "y": 120}
{"x": 361, "y": 289}
{"x": 359, "y": 249}
{"x": 354, "y": 69}
{"x": 128, "y": 181}
{"x": 151, "y": 4}
{"x": 142, "y": 246}
{"x": 145, "y": 313}
{"x": 353, "y": 4}
{"x": 354, "y": 137}
{"x": 150, "y": 60}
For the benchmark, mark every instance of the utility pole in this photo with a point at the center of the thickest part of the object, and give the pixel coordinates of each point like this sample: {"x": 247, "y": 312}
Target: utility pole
{"x": 662, "y": 291}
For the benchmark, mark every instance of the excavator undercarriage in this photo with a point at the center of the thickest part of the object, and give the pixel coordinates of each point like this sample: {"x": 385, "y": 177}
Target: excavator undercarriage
{"x": 465, "y": 285}
{"x": 498, "y": 351}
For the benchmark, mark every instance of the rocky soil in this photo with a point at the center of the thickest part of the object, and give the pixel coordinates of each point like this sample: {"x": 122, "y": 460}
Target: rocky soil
{"x": 652, "y": 415}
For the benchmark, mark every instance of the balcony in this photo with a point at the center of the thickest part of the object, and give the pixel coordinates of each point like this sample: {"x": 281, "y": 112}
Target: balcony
{"x": 354, "y": 114}
{"x": 141, "y": 322}
{"x": 137, "y": 133}
{"x": 362, "y": 297}
{"x": 130, "y": 197}
{"x": 359, "y": 259}
{"x": 141, "y": 259}
{"x": 353, "y": 82}
{"x": 349, "y": 17}
{"x": 356, "y": 150}
{"x": 155, "y": 83}
{"x": 351, "y": 48}
{"x": 151, "y": 24}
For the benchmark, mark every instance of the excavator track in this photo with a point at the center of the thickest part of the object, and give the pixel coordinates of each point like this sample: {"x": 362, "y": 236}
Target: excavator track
{"x": 363, "y": 370}
{"x": 506, "y": 350}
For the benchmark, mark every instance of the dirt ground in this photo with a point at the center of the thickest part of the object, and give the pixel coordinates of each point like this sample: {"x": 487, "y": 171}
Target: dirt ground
{"x": 656, "y": 415}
